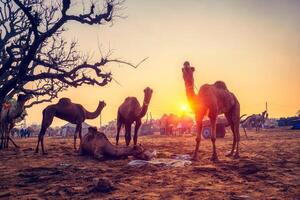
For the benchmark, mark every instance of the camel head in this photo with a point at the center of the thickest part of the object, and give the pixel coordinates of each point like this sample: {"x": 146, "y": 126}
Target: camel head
{"x": 265, "y": 114}
{"x": 147, "y": 95}
{"x": 102, "y": 104}
{"x": 188, "y": 74}
{"x": 138, "y": 152}
{"x": 92, "y": 129}
{"x": 22, "y": 98}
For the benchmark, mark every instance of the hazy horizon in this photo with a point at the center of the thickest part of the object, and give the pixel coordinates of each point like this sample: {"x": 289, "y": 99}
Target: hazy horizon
{"x": 253, "y": 46}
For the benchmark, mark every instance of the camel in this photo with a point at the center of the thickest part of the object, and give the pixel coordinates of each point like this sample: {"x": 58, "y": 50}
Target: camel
{"x": 70, "y": 112}
{"x": 96, "y": 144}
{"x": 168, "y": 123}
{"x": 172, "y": 124}
{"x": 10, "y": 112}
{"x": 255, "y": 120}
{"x": 212, "y": 99}
{"x": 131, "y": 111}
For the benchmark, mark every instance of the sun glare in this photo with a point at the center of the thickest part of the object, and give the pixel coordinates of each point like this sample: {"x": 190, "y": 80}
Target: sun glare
{"x": 184, "y": 107}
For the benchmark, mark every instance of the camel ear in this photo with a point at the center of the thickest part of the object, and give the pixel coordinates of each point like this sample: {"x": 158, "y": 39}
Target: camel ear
{"x": 92, "y": 129}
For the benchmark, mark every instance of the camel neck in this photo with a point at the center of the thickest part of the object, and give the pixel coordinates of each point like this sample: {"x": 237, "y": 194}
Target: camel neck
{"x": 191, "y": 96}
{"x": 95, "y": 114}
{"x": 119, "y": 151}
{"x": 144, "y": 109}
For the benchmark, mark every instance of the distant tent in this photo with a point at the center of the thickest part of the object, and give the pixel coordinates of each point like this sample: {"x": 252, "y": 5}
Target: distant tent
{"x": 68, "y": 129}
{"x": 296, "y": 125}
{"x": 289, "y": 121}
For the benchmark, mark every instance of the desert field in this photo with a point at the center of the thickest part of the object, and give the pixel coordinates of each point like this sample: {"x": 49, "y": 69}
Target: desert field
{"x": 269, "y": 168}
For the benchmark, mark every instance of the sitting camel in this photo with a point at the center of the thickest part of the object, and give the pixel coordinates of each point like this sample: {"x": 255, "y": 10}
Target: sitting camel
{"x": 96, "y": 144}
{"x": 131, "y": 111}
{"x": 68, "y": 111}
{"x": 213, "y": 100}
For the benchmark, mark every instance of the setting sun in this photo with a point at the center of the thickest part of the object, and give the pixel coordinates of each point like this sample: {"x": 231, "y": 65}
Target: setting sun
{"x": 184, "y": 107}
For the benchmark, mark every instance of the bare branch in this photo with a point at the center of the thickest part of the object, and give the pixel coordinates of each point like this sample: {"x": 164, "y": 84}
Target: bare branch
{"x": 128, "y": 63}
{"x": 35, "y": 58}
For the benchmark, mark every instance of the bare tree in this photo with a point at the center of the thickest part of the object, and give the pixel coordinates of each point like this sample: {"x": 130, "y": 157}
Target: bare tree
{"x": 36, "y": 60}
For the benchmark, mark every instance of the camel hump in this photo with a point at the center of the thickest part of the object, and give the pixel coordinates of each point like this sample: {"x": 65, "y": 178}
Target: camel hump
{"x": 64, "y": 101}
{"x": 220, "y": 85}
{"x": 130, "y": 99}
{"x": 102, "y": 135}
{"x": 131, "y": 102}
{"x": 93, "y": 131}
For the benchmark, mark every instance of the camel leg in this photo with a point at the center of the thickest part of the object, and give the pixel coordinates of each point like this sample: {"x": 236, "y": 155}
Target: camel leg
{"x": 11, "y": 126}
{"x": 6, "y": 136}
{"x": 119, "y": 125}
{"x": 2, "y": 141}
{"x": 229, "y": 119}
{"x": 38, "y": 144}
{"x": 199, "y": 118}
{"x": 245, "y": 132}
{"x": 41, "y": 138}
{"x": 46, "y": 122}
{"x": 42, "y": 144}
{"x": 237, "y": 135}
{"x": 136, "y": 129}
{"x": 75, "y": 135}
{"x": 2, "y": 136}
{"x": 234, "y": 140}
{"x": 80, "y": 133}
{"x": 213, "y": 120}
{"x": 236, "y": 124}
{"x": 127, "y": 133}
{"x": 13, "y": 142}
{"x": 6, "y": 139}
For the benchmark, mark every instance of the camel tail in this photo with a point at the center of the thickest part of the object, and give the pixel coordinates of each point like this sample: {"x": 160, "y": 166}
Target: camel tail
{"x": 226, "y": 125}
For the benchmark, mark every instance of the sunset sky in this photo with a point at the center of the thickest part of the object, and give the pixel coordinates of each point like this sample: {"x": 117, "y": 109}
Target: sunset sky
{"x": 254, "y": 46}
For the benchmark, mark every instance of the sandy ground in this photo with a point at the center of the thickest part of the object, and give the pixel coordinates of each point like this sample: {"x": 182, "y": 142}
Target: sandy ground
{"x": 269, "y": 168}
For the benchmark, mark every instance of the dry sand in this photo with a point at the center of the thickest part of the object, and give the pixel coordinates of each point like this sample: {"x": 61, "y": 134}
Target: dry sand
{"x": 269, "y": 168}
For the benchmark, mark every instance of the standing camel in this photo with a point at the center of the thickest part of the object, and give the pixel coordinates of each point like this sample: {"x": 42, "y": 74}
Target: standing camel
{"x": 131, "y": 111}
{"x": 212, "y": 99}
{"x": 70, "y": 112}
{"x": 9, "y": 114}
{"x": 255, "y": 120}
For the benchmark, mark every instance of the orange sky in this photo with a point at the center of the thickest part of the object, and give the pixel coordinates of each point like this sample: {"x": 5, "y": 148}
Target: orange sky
{"x": 252, "y": 45}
